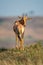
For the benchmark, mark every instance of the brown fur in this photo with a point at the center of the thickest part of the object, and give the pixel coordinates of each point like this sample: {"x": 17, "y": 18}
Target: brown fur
{"x": 19, "y": 28}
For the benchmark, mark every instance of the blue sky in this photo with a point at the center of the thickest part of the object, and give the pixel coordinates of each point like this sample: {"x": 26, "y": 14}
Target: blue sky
{"x": 18, "y": 7}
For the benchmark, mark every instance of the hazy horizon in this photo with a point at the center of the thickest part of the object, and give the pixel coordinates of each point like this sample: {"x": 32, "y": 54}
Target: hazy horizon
{"x": 7, "y": 35}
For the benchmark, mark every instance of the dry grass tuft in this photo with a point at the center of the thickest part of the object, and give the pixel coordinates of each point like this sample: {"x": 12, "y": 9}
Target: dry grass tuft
{"x": 32, "y": 55}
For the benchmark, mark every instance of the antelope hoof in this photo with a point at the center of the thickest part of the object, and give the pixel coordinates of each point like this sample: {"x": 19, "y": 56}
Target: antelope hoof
{"x": 16, "y": 47}
{"x": 21, "y": 48}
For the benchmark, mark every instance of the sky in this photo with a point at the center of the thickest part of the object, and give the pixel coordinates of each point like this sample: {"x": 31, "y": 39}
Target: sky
{"x": 18, "y": 7}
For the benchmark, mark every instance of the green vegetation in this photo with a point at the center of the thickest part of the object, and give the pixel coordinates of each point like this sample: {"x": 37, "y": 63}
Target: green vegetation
{"x": 32, "y": 55}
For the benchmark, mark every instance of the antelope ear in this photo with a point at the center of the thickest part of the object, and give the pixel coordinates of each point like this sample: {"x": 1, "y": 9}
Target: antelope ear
{"x": 29, "y": 18}
{"x": 19, "y": 17}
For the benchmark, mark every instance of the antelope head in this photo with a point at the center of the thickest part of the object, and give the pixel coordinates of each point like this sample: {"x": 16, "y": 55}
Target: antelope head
{"x": 25, "y": 18}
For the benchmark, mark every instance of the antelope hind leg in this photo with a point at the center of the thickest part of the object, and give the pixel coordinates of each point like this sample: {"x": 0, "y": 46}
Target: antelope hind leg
{"x": 21, "y": 44}
{"x": 16, "y": 41}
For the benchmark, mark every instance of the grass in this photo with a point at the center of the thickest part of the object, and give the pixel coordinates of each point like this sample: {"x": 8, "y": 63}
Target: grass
{"x": 32, "y": 55}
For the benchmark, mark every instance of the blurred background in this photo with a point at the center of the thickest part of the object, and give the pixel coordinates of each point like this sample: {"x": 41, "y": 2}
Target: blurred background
{"x": 9, "y": 12}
